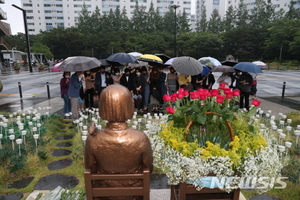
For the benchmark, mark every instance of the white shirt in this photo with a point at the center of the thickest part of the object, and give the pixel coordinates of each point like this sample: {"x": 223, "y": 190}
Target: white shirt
{"x": 103, "y": 79}
{"x": 226, "y": 79}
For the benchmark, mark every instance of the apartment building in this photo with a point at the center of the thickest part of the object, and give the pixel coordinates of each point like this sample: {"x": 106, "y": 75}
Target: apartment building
{"x": 4, "y": 29}
{"x": 48, "y": 14}
{"x": 223, "y": 5}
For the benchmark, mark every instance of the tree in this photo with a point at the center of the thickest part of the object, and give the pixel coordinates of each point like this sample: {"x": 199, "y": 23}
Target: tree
{"x": 202, "y": 24}
{"x": 138, "y": 19}
{"x": 168, "y": 21}
{"x": 242, "y": 15}
{"x": 229, "y": 19}
{"x": 200, "y": 44}
{"x": 85, "y": 23}
{"x": 262, "y": 14}
{"x": 295, "y": 46}
{"x": 242, "y": 42}
{"x": 154, "y": 20}
{"x": 38, "y": 47}
{"x": 292, "y": 13}
{"x": 183, "y": 23}
{"x": 96, "y": 23}
{"x": 214, "y": 24}
{"x": 280, "y": 35}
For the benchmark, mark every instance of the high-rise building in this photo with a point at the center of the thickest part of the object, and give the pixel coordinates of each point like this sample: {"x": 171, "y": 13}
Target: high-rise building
{"x": 4, "y": 29}
{"x": 48, "y": 14}
{"x": 223, "y": 5}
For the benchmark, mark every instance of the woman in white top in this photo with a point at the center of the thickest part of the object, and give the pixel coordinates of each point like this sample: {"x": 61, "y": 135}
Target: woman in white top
{"x": 225, "y": 78}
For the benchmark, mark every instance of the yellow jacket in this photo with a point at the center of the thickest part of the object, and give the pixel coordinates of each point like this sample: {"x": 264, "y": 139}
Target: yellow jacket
{"x": 183, "y": 79}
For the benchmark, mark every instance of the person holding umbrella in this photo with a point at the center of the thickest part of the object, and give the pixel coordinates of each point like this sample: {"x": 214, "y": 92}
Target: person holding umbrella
{"x": 244, "y": 83}
{"x": 64, "y": 87}
{"x": 74, "y": 92}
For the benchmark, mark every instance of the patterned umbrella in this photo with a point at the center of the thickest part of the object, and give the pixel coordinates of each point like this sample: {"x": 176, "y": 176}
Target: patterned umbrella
{"x": 79, "y": 63}
{"x": 223, "y": 68}
{"x": 248, "y": 67}
{"x": 187, "y": 65}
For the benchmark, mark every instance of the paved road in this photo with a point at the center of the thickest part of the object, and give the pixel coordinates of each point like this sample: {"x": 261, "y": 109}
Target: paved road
{"x": 34, "y": 89}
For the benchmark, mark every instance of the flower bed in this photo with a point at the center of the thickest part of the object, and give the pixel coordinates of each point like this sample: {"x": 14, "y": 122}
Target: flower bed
{"x": 207, "y": 134}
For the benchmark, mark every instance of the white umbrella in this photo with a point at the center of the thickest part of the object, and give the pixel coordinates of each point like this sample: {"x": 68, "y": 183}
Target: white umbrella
{"x": 260, "y": 64}
{"x": 170, "y": 61}
{"x": 210, "y": 62}
{"x": 135, "y": 54}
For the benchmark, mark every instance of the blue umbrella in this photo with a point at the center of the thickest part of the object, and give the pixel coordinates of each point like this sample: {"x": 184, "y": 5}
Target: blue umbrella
{"x": 121, "y": 58}
{"x": 248, "y": 67}
{"x": 205, "y": 71}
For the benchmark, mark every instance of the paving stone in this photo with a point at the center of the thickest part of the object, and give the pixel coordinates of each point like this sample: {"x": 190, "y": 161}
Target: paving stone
{"x": 61, "y": 152}
{"x": 64, "y": 144}
{"x": 14, "y": 196}
{"x": 60, "y": 164}
{"x": 19, "y": 184}
{"x": 51, "y": 181}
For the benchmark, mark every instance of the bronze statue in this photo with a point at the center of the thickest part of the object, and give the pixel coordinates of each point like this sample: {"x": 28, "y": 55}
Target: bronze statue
{"x": 117, "y": 149}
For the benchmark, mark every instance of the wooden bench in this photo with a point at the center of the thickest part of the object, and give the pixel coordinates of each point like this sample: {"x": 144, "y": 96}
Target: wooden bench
{"x": 143, "y": 191}
{"x": 189, "y": 192}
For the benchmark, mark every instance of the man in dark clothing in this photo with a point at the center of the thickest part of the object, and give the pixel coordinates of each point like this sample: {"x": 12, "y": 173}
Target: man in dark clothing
{"x": 244, "y": 82}
{"x": 128, "y": 80}
{"x": 208, "y": 81}
{"x": 102, "y": 80}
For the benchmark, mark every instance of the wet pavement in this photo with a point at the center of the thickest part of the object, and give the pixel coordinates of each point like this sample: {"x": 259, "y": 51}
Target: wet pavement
{"x": 159, "y": 181}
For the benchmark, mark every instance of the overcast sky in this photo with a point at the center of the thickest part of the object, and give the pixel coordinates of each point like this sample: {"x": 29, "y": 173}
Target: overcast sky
{"x": 15, "y": 16}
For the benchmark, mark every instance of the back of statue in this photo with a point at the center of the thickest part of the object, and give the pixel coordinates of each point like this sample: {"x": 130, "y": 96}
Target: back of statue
{"x": 117, "y": 149}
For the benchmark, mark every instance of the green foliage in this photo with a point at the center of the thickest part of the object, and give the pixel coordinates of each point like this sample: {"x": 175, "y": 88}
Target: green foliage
{"x": 295, "y": 117}
{"x": 292, "y": 170}
{"x": 41, "y": 48}
{"x": 17, "y": 162}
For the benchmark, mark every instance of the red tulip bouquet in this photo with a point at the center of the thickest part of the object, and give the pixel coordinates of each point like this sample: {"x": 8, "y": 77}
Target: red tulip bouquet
{"x": 206, "y": 115}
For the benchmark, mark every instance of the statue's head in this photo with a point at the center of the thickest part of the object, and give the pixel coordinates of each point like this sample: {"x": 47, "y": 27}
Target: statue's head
{"x": 116, "y": 104}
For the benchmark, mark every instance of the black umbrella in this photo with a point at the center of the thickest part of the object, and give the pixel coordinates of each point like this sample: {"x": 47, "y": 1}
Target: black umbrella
{"x": 162, "y": 56}
{"x": 187, "y": 65}
{"x": 121, "y": 58}
{"x": 230, "y": 63}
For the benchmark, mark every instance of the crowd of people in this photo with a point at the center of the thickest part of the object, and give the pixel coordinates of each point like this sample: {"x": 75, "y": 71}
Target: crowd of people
{"x": 147, "y": 85}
